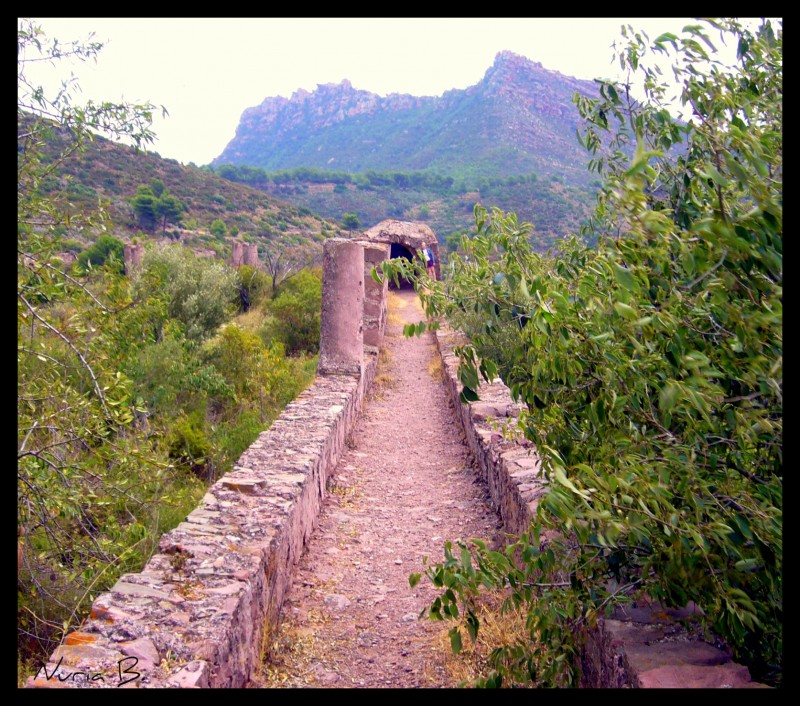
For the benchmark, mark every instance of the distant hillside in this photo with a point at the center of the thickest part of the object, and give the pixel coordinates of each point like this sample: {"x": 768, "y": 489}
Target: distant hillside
{"x": 555, "y": 208}
{"x": 112, "y": 172}
{"x": 518, "y": 119}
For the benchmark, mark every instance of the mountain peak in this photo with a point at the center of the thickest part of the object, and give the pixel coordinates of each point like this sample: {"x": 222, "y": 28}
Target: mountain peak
{"x": 509, "y": 58}
{"x": 509, "y": 67}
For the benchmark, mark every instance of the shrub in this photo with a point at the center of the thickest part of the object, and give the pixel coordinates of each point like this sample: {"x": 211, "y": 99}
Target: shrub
{"x": 107, "y": 249}
{"x": 218, "y": 228}
{"x": 199, "y": 292}
{"x": 296, "y": 313}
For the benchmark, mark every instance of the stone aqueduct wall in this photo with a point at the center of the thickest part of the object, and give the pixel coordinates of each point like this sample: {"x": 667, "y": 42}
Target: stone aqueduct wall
{"x": 200, "y": 611}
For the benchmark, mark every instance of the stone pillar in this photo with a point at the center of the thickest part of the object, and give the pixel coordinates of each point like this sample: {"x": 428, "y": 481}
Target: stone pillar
{"x": 341, "y": 340}
{"x": 251, "y": 255}
{"x": 375, "y": 295}
{"x": 236, "y": 253}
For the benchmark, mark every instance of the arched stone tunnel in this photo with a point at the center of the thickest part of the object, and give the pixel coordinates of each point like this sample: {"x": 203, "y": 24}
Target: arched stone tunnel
{"x": 406, "y": 239}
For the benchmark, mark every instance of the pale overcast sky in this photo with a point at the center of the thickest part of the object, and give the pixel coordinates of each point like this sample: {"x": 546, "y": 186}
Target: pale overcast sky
{"x": 207, "y": 71}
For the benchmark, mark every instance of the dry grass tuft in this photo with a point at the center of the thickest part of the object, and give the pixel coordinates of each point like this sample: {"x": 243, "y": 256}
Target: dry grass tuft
{"x": 383, "y": 379}
{"x": 403, "y": 311}
{"x": 497, "y": 628}
{"x": 416, "y": 304}
{"x": 396, "y": 304}
{"x": 347, "y": 494}
{"x": 435, "y": 367}
{"x": 290, "y": 655}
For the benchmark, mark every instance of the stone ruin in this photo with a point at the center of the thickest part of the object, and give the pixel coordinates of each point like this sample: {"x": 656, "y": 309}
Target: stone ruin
{"x": 133, "y": 256}
{"x": 203, "y": 605}
{"x": 404, "y": 239}
{"x": 244, "y": 254}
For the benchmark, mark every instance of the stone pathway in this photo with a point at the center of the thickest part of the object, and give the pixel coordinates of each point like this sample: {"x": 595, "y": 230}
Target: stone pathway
{"x": 404, "y": 486}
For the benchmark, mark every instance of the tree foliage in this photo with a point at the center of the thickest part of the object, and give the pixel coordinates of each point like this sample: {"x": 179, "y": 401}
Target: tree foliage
{"x": 83, "y": 505}
{"x": 199, "y": 292}
{"x": 650, "y": 366}
{"x": 350, "y": 221}
{"x": 296, "y": 313}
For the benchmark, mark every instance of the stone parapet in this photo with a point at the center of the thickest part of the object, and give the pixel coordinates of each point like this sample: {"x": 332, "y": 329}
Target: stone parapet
{"x": 199, "y": 612}
{"x": 640, "y": 646}
{"x": 507, "y": 461}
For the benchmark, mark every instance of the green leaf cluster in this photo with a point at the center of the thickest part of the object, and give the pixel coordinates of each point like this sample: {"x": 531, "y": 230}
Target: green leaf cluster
{"x": 650, "y": 365}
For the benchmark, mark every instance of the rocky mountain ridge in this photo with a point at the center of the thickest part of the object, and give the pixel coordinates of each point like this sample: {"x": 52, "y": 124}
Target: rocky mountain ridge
{"x": 519, "y": 118}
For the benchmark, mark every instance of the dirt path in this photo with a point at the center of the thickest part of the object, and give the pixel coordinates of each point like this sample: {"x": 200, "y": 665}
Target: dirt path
{"x": 404, "y": 485}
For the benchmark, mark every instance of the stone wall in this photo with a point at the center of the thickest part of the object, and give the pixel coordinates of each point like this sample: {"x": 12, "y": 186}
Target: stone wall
{"x": 199, "y": 612}
{"x": 644, "y": 645}
{"x": 510, "y": 466}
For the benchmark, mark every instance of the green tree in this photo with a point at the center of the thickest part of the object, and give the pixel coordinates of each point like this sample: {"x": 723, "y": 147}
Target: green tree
{"x": 650, "y": 366}
{"x": 144, "y": 206}
{"x": 86, "y": 486}
{"x": 218, "y": 228}
{"x": 168, "y": 209}
{"x": 350, "y": 221}
{"x": 154, "y": 205}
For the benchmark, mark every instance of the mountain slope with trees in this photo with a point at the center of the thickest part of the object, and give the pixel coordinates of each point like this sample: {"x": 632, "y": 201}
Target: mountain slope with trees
{"x": 557, "y": 208}
{"x": 153, "y": 198}
{"x": 518, "y": 119}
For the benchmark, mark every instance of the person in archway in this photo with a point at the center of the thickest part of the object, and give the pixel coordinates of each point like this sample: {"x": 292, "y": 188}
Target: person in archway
{"x": 430, "y": 263}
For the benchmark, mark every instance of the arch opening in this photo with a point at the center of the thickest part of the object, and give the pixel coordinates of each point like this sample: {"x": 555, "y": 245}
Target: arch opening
{"x": 399, "y": 250}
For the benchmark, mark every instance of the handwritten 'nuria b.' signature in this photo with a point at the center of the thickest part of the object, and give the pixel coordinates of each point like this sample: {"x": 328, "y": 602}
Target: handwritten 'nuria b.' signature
{"x": 123, "y": 674}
